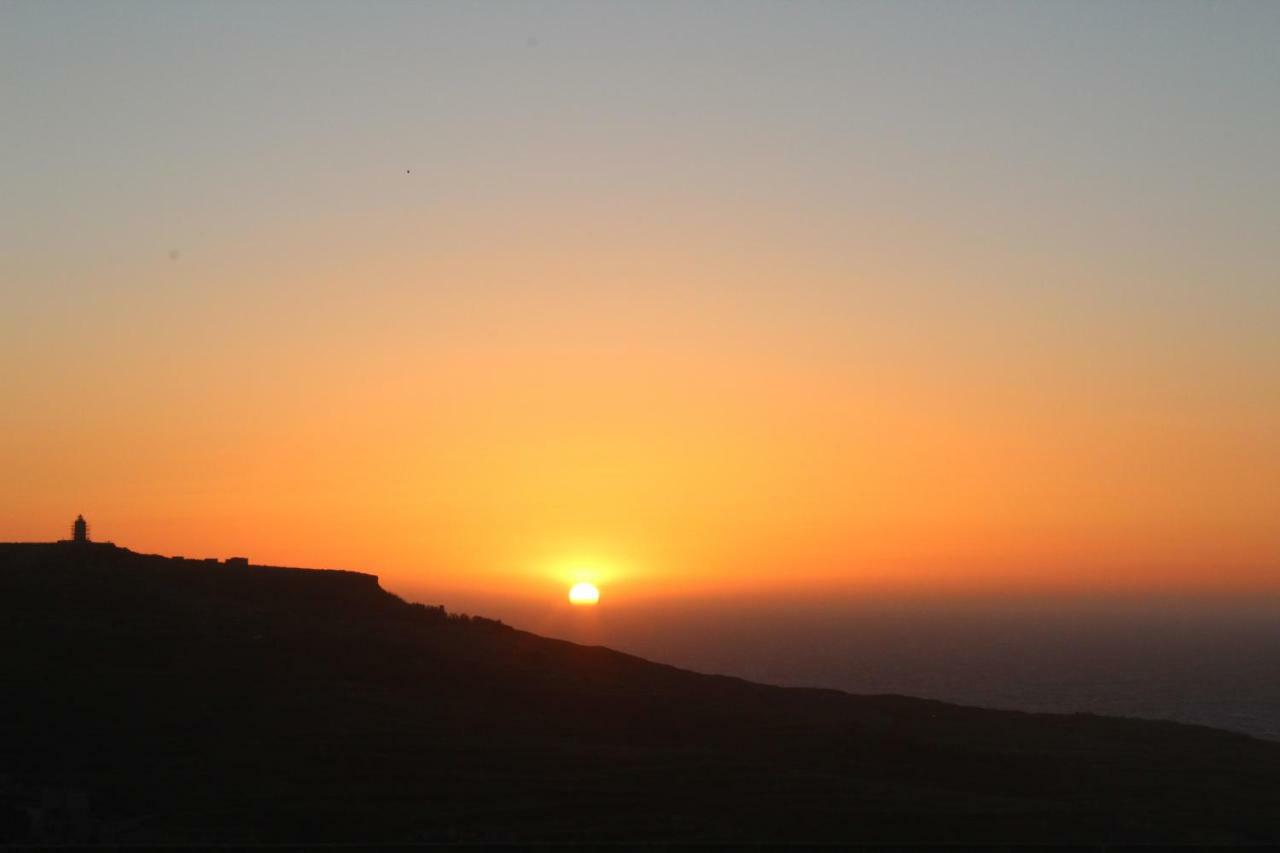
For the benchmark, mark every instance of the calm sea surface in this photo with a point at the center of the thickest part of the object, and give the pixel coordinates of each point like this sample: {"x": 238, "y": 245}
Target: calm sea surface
{"x": 1213, "y": 663}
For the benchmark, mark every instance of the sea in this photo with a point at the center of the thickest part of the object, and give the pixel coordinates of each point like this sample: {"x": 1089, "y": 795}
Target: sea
{"x": 1206, "y": 661}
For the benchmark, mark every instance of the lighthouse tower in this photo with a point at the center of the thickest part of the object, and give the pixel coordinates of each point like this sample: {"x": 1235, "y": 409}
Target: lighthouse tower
{"x": 80, "y": 530}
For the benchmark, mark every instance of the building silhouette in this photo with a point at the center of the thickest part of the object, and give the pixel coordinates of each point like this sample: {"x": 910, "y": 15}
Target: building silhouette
{"x": 80, "y": 530}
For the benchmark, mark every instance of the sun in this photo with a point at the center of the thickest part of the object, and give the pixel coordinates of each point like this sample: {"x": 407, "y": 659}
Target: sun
{"x": 583, "y": 593}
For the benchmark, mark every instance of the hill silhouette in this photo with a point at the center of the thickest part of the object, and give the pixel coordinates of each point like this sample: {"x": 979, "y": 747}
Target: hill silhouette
{"x": 153, "y": 700}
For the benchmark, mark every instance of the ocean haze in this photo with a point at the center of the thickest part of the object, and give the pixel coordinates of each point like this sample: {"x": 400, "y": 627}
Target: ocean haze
{"x": 917, "y": 356}
{"x": 163, "y": 701}
{"x": 1205, "y": 661}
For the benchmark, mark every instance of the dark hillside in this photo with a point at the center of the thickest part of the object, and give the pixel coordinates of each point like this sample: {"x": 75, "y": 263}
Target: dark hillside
{"x": 155, "y": 700}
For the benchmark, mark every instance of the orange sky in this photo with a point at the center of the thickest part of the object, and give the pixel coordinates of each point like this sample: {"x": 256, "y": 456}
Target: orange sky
{"x": 722, "y": 330}
{"x": 660, "y": 439}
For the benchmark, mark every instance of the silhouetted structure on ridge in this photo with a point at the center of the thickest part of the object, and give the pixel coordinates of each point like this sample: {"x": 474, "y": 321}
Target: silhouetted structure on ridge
{"x": 80, "y": 538}
{"x": 328, "y": 708}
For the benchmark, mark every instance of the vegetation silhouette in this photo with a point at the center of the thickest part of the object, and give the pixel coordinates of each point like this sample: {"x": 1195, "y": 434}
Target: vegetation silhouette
{"x": 163, "y": 701}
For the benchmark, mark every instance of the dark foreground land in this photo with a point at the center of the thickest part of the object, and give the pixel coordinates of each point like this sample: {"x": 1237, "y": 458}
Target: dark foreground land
{"x": 149, "y": 700}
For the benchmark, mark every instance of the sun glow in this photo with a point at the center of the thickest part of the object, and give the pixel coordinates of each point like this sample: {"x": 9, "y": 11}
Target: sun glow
{"x": 584, "y": 593}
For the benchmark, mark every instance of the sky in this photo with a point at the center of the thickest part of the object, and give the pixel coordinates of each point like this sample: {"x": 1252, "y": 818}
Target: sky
{"x": 727, "y": 300}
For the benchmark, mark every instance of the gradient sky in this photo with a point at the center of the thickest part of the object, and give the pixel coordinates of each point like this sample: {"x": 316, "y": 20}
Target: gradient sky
{"x": 716, "y": 298}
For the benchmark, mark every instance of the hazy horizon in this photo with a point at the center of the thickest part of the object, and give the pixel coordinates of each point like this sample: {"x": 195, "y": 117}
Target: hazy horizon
{"x": 769, "y": 423}
{"x": 1174, "y": 655}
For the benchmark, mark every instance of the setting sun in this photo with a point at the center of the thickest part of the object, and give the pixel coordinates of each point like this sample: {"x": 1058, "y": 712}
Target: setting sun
{"x": 898, "y": 367}
{"x": 583, "y": 593}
